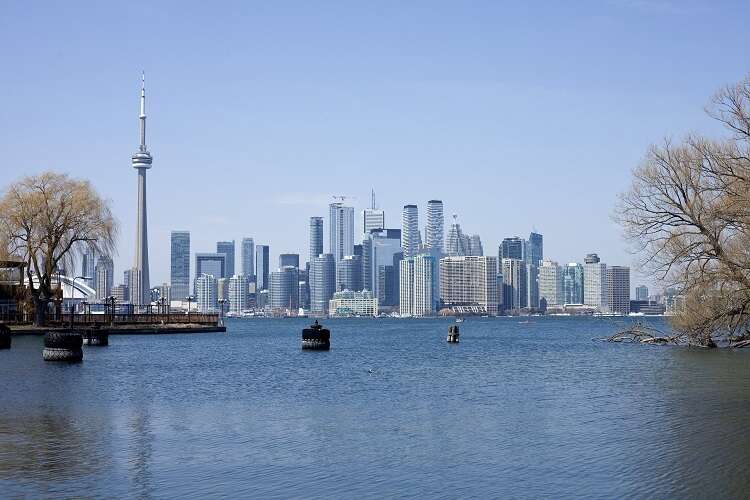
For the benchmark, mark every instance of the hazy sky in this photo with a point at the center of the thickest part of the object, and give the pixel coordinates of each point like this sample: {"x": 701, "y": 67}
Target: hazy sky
{"x": 518, "y": 115}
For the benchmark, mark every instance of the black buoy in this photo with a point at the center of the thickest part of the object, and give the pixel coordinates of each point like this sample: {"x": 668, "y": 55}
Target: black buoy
{"x": 453, "y": 334}
{"x": 4, "y": 337}
{"x": 316, "y": 337}
{"x": 63, "y": 346}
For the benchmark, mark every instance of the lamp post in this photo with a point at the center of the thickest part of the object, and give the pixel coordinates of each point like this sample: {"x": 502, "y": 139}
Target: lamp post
{"x": 189, "y": 299}
{"x": 85, "y": 312}
{"x": 72, "y": 296}
{"x": 221, "y": 314}
{"x": 111, "y": 300}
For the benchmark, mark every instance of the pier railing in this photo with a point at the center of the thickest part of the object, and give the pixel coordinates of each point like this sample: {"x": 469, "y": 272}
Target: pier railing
{"x": 84, "y": 319}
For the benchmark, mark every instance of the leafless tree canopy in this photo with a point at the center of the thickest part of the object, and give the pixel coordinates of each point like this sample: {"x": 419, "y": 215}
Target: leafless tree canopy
{"x": 688, "y": 213}
{"x": 48, "y": 221}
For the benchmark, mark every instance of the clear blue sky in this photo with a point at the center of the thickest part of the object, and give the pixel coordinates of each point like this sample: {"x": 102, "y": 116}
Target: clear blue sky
{"x": 515, "y": 114}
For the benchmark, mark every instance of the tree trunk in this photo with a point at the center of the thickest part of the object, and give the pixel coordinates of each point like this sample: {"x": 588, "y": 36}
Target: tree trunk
{"x": 40, "y": 311}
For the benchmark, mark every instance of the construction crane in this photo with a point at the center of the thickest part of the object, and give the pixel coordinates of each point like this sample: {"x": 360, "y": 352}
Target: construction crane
{"x": 342, "y": 198}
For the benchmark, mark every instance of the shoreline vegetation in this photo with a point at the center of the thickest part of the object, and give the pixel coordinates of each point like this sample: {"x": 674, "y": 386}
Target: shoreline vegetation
{"x": 687, "y": 215}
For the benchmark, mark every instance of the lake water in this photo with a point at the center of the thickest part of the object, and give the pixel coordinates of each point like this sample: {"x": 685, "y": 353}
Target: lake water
{"x": 517, "y": 409}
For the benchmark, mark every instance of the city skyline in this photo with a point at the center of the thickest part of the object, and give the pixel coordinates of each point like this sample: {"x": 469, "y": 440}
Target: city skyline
{"x": 415, "y": 123}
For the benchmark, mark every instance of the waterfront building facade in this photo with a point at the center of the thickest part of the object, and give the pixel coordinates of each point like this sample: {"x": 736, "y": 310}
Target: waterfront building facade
{"x": 468, "y": 284}
{"x": 595, "y": 292}
{"x": 573, "y": 283}
{"x": 618, "y": 289}
{"x": 238, "y": 294}
{"x": 550, "y": 284}
{"x": 350, "y": 303}
{"x": 207, "y": 293}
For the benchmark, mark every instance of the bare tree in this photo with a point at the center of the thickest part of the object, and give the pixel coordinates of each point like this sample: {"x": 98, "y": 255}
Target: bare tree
{"x": 48, "y": 221}
{"x": 688, "y": 213}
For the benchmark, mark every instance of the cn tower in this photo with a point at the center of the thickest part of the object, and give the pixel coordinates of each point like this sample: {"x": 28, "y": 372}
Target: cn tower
{"x": 140, "y": 290}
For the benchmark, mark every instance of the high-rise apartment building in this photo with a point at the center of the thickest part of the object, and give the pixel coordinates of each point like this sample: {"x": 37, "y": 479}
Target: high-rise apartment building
{"x": 348, "y": 303}
{"x": 341, "y": 230}
{"x": 435, "y": 226}
{"x": 179, "y": 260}
{"x": 284, "y": 289}
{"x": 316, "y": 237}
{"x": 550, "y": 284}
{"x": 227, "y": 248}
{"x": 410, "y": 237}
{"x": 573, "y": 283}
{"x": 618, "y": 289}
{"x": 247, "y": 256}
{"x": 468, "y": 284}
{"x": 105, "y": 277}
{"x": 322, "y": 282}
{"x": 262, "y": 261}
{"x": 349, "y": 273}
{"x": 237, "y": 294}
{"x": 515, "y": 284}
{"x": 416, "y": 279}
{"x": 595, "y": 293}
{"x": 206, "y": 293}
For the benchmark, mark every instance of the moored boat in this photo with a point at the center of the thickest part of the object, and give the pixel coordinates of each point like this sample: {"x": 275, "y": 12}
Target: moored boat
{"x": 316, "y": 337}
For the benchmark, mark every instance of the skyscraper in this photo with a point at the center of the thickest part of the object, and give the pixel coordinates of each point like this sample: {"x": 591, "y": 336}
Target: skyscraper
{"x": 88, "y": 267}
{"x": 595, "y": 293}
{"x": 550, "y": 284}
{"x": 180, "y": 264}
{"x": 416, "y": 280}
{"x": 512, "y": 248}
{"x": 341, "y": 230}
{"x": 237, "y": 294}
{"x": 378, "y": 249}
{"x": 316, "y": 237}
{"x": 618, "y": 289}
{"x": 535, "y": 245}
{"x": 457, "y": 241}
{"x": 322, "y": 282}
{"x": 641, "y": 292}
{"x": 141, "y": 161}
{"x": 515, "y": 283}
{"x": 573, "y": 283}
{"x": 534, "y": 254}
{"x": 475, "y": 246}
{"x": 289, "y": 259}
{"x": 372, "y": 218}
{"x": 283, "y": 289}
{"x": 247, "y": 252}
{"x": 349, "y": 273}
{"x": 410, "y": 238}
{"x": 435, "y": 225}
{"x": 262, "y": 255}
{"x": 468, "y": 284}
{"x": 206, "y": 293}
{"x": 213, "y": 264}
{"x": 227, "y": 248}
{"x": 105, "y": 277}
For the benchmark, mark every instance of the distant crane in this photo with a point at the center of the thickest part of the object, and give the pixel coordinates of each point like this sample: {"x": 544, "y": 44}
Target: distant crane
{"x": 341, "y": 198}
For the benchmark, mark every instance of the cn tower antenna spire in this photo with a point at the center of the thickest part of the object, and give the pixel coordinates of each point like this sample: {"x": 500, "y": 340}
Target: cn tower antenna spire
{"x": 373, "y": 198}
{"x": 142, "y": 116}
